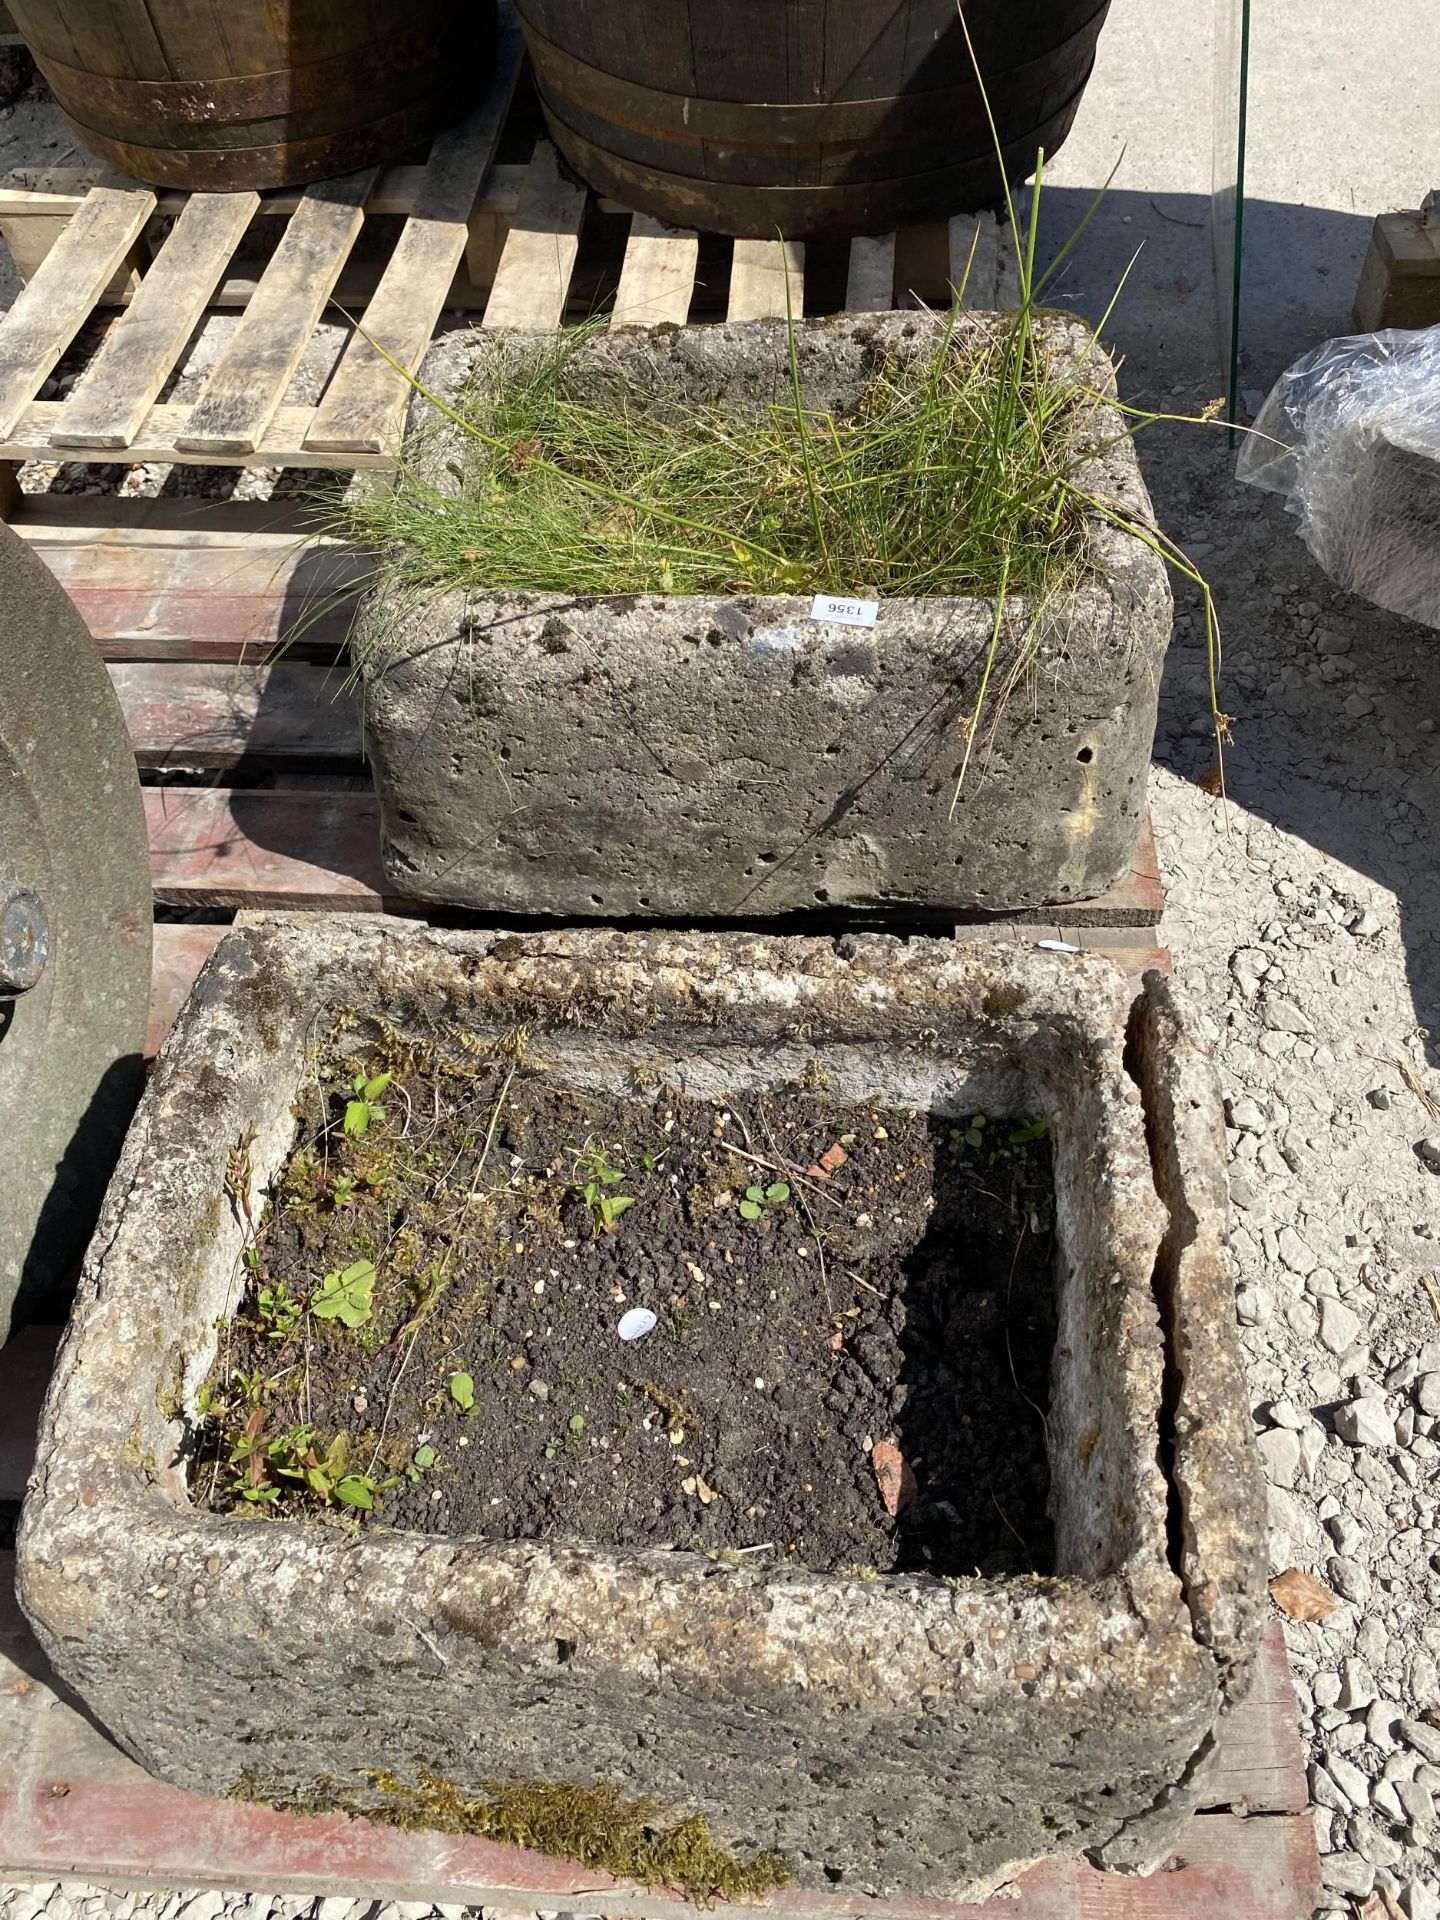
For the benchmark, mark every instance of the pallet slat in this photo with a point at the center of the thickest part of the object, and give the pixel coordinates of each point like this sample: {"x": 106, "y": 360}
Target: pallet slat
{"x": 533, "y": 277}
{"x": 218, "y": 716}
{"x": 761, "y": 272}
{"x": 180, "y": 950}
{"x": 364, "y": 407}
{"x": 111, "y": 399}
{"x": 165, "y": 437}
{"x": 54, "y": 306}
{"x": 143, "y": 599}
{"x": 247, "y": 383}
{"x": 58, "y": 193}
{"x": 657, "y": 277}
{"x": 212, "y": 847}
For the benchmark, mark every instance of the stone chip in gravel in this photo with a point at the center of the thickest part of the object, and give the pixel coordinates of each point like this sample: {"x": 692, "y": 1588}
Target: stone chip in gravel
{"x": 1365, "y": 1423}
{"x": 1424, "y": 1738}
{"x": 1418, "y": 1802}
{"x": 1283, "y": 1016}
{"x": 1429, "y": 1152}
{"x": 1347, "y": 1873}
{"x": 206, "y": 1906}
{"x": 1280, "y": 1452}
{"x": 1339, "y": 1326}
{"x": 1350, "y": 1581}
{"x": 1346, "y": 1531}
{"x": 1357, "y": 1689}
{"x": 1350, "y": 1779}
{"x": 1294, "y": 1253}
{"x": 1427, "y": 1393}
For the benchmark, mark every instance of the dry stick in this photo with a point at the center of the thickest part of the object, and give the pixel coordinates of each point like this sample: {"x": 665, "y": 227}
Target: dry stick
{"x": 778, "y": 1166}
{"x": 417, "y": 1320}
{"x": 1024, "y": 1543}
{"x": 809, "y": 1217}
{"x": 850, "y": 1274}
{"x": 1412, "y": 1080}
{"x": 1015, "y": 1378}
{"x": 416, "y": 1628}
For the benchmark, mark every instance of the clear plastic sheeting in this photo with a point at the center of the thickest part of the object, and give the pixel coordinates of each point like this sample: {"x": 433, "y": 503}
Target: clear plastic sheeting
{"x": 1350, "y": 436}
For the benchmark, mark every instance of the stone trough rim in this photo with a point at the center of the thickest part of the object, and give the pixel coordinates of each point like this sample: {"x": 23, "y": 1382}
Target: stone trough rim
{"x": 1108, "y": 466}
{"x": 1078, "y": 972}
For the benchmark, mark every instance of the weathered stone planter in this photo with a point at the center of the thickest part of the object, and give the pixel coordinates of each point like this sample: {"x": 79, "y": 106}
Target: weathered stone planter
{"x": 712, "y": 757}
{"x": 902, "y": 1732}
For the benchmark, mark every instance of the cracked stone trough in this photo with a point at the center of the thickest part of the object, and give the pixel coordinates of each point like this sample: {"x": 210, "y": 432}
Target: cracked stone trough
{"x": 901, "y": 1733}
{"x": 714, "y": 758}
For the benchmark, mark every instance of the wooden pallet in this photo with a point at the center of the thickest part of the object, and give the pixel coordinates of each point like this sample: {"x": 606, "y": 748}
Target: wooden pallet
{"x": 524, "y": 245}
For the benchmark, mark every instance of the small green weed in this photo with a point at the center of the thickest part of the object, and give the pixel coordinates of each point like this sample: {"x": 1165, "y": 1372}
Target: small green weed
{"x": 759, "y": 1201}
{"x": 365, "y": 1108}
{"x": 597, "y": 1188}
{"x": 569, "y": 1439}
{"x": 263, "y": 1472}
{"x": 462, "y": 1391}
{"x": 346, "y": 1296}
{"x": 278, "y": 1312}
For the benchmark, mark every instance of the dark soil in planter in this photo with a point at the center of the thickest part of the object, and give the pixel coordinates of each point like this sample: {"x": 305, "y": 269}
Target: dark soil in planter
{"x": 902, "y": 1302}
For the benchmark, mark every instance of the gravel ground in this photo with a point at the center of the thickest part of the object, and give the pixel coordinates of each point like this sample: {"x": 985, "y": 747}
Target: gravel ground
{"x": 1307, "y": 925}
{"x": 1304, "y": 915}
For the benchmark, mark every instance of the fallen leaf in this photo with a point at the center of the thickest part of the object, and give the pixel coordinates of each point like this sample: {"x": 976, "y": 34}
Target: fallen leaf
{"x": 833, "y": 1157}
{"x": 1300, "y": 1596}
{"x": 893, "y": 1475}
{"x": 1381, "y": 1905}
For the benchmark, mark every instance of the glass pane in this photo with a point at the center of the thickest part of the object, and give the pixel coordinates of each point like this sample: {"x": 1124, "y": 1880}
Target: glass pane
{"x": 1227, "y": 203}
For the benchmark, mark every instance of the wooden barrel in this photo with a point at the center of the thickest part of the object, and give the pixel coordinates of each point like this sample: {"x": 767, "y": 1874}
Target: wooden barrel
{"x": 806, "y": 116}
{"x": 257, "y": 93}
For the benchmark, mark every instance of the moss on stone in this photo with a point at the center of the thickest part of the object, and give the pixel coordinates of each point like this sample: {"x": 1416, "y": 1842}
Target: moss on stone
{"x": 595, "y": 1825}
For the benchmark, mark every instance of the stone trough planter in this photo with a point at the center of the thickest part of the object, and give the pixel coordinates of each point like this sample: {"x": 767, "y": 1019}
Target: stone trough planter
{"x": 713, "y": 758}
{"x": 896, "y": 1733}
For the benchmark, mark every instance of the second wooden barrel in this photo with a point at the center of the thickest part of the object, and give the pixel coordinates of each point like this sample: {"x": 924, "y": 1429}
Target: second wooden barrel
{"x": 806, "y": 116}
{"x": 257, "y": 93}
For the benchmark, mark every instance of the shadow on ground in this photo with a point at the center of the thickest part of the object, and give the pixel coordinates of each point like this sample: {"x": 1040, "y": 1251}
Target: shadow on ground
{"x": 1333, "y": 699}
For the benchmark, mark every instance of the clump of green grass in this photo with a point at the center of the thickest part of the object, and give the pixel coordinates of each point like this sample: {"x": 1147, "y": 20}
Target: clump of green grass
{"x": 952, "y": 475}
{"x": 961, "y": 471}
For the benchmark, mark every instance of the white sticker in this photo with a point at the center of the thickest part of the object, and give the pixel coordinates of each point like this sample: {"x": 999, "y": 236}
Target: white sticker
{"x": 845, "y": 613}
{"x": 1056, "y": 946}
